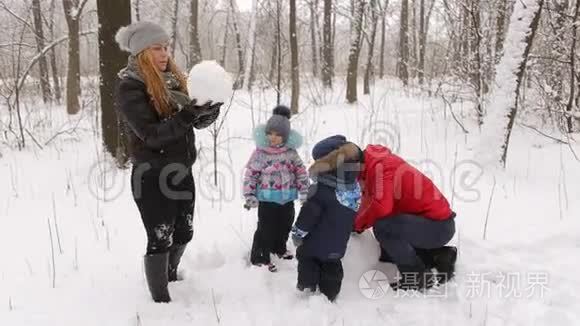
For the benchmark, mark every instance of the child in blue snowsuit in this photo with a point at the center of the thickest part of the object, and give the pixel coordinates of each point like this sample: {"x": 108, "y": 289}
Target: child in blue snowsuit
{"x": 325, "y": 223}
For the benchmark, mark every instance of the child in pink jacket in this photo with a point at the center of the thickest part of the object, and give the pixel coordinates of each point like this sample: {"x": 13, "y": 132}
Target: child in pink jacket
{"x": 275, "y": 177}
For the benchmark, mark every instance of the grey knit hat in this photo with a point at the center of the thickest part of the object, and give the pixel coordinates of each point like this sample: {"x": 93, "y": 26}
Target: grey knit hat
{"x": 137, "y": 37}
{"x": 280, "y": 121}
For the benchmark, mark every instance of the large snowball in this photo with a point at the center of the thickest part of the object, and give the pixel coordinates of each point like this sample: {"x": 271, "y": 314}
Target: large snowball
{"x": 208, "y": 81}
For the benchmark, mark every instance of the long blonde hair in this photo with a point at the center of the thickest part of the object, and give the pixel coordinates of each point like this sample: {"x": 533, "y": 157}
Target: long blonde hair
{"x": 156, "y": 84}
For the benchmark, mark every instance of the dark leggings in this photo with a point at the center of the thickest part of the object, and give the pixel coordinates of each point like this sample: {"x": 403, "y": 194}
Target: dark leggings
{"x": 165, "y": 198}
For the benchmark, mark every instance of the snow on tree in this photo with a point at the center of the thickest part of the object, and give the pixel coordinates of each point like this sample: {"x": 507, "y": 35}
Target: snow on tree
{"x": 504, "y": 102}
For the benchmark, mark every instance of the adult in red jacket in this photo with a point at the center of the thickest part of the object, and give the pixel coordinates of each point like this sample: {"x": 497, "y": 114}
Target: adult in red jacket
{"x": 410, "y": 217}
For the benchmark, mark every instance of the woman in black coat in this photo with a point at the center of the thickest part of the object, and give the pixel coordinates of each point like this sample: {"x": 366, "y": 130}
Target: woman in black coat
{"x": 152, "y": 99}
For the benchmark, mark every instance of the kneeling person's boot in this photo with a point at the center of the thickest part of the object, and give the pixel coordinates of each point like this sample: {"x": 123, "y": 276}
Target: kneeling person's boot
{"x": 175, "y": 254}
{"x": 444, "y": 259}
{"x": 426, "y": 255}
{"x": 385, "y": 257}
{"x": 414, "y": 277}
{"x": 156, "y": 266}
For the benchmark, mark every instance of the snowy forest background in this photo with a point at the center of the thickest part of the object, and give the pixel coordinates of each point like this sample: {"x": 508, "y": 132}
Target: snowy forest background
{"x": 447, "y": 49}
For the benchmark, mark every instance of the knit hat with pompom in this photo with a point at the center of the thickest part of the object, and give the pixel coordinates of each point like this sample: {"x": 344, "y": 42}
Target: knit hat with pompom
{"x": 280, "y": 121}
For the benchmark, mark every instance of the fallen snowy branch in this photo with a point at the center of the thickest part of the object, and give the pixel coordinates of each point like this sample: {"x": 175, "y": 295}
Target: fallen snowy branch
{"x": 68, "y": 131}
{"x": 33, "y": 138}
{"x": 52, "y": 255}
{"x": 215, "y": 306}
{"x": 544, "y": 134}
{"x": 488, "y": 209}
{"x": 453, "y": 114}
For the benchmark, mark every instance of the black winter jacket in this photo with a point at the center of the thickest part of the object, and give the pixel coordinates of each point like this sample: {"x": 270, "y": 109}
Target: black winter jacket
{"x": 152, "y": 139}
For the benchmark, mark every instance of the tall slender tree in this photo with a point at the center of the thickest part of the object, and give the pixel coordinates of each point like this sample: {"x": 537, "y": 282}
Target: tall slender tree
{"x": 327, "y": 46}
{"x": 42, "y": 62}
{"x": 403, "y": 63}
{"x": 73, "y": 10}
{"x": 54, "y": 67}
{"x": 313, "y": 5}
{"x": 195, "y": 54}
{"x": 369, "y": 70}
{"x": 354, "y": 52}
{"x": 294, "y": 58}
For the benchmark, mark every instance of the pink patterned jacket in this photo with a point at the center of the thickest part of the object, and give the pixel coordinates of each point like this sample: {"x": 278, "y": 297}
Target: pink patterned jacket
{"x": 275, "y": 174}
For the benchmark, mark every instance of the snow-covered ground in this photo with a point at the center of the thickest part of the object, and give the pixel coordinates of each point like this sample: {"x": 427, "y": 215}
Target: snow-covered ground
{"x": 519, "y": 270}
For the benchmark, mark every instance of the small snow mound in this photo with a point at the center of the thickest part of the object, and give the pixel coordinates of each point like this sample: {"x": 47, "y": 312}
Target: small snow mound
{"x": 208, "y": 81}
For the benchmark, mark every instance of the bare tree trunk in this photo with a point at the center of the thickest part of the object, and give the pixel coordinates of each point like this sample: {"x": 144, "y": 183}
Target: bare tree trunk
{"x": 16, "y": 73}
{"x": 251, "y": 45}
{"x": 294, "y": 56}
{"x": 403, "y": 66}
{"x": 273, "y": 58}
{"x": 279, "y": 52}
{"x": 112, "y": 16}
{"x": 500, "y": 29}
{"x": 354, "y": 52}
{"x": 327, "y": 47}
{"x": 369, "y": 71}
{"x": 423, "y": 35}
{"x": 529, "y": 39}
{"x": 559, "y": 47}
{"x": 422, "y": 42}
{"x": 195, "y": 55}
{"x": 253, "y": 69}
{"x": 455, "y": 19}
{"x": 54, "y": 67}
{"x": 383, "y": 27}
{"x": 313, "y": 33}
{"x": 414, "y": 43}
{"x": 475, "y": 65}
{"x": 73, "y": 11}
{"x": 333, "y": 42}
{"x": 239, "y": 81}
{"x": 137, "y": 5}
{"x": 225, "y": 41}
{"x": 465, "y": 26}
{"x": 174, "y": 27}
{"x": 42, "y": 63}
{"x": 573, "y": 77}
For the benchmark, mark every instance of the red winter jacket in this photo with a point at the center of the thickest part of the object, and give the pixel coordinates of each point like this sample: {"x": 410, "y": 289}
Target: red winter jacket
{"x": 391, "y": 186}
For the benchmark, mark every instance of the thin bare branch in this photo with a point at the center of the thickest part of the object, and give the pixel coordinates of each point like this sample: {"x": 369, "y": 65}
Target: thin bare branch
{"x": 43, "y": 53}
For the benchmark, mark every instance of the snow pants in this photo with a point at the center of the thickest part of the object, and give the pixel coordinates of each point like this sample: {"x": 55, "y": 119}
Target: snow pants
{"x": 272, "y": 232}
